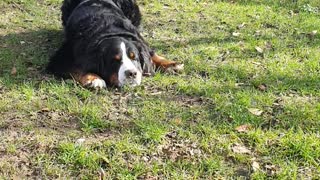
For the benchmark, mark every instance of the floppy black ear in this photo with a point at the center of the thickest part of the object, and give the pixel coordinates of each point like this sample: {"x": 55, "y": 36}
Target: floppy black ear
{"x": 60, "y": 63}
{"x": 145, "y": 59}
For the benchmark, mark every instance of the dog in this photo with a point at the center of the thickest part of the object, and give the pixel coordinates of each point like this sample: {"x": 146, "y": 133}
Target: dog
{"x": 103, "y": 45}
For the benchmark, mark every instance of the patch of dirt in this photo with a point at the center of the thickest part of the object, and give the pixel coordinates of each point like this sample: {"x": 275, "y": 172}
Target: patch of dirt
{"x": 19, "y": 149}
{"x": 25, "y": 136}
{"x": 175, "y": 149}
{"x": 170, "y": 94}
{"x": 55, "y": 120}
{"x": 45, "y": 119}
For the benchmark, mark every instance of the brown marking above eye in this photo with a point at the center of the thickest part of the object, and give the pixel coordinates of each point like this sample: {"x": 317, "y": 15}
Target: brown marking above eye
{"x": 117, "y": 57}
{"x": 132, "y": 56}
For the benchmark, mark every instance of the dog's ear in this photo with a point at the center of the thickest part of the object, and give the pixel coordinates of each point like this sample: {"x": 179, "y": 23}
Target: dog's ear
{"x": 62, "y": 61}
{"x": 147, "y": 65}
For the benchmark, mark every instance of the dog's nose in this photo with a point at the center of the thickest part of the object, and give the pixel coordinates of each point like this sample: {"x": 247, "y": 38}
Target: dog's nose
{"x": 130, "y": 73}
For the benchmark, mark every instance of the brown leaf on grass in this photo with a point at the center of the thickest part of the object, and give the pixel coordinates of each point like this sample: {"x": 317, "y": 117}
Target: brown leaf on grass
{"x": 176, "y": 149}
{"x": 102, "y": 174}
{"x": 80, "y": 141}
{"x": 223, "y": 55}
{"x": 257, "y": 33}
{"x": 255, "y": 166}
{"x": 255, "y": 111}
{"x": 236, "y": 34}
{"x": 240, "y": 26}
{"x": 239, "y": 84}
{"x": 271, "y": 169}
{"x": 259, "y": 50}
{"x": 148, "y": 176}
{"x": 262, "y": 87}
{"x": 312, "y": 34}
{"x": 14, "y": 71}
{"x": 268, "y": 45}
{"x": 243, "y": 128}
{"x": 45, "y": 110}
{"x": 31, "y": 69}
{"x": 241, "y": 44}
{"x": 240, "y": 149}
{"x": 177, "y": 121}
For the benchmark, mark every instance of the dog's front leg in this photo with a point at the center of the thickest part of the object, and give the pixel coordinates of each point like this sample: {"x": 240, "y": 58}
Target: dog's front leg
{"x": 89, "y": 80}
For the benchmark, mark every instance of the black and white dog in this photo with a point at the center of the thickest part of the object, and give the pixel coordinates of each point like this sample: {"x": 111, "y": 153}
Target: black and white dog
{"x": 103, "y": 46}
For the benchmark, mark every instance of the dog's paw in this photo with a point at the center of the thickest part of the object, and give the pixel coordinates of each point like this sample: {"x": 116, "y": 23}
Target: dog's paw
{"x": 175, "y": 68}
{"x": 96, "y": 84}
{"x": 178, "y": 67}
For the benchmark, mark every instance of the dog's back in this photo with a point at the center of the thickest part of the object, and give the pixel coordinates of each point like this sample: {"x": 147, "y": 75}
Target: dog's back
{"x": 67, "y": 9}
{"x": 128, "y": 7}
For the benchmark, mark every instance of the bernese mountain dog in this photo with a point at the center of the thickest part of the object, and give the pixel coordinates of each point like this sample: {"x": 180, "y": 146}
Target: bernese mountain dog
{"x": 103, "y": 45}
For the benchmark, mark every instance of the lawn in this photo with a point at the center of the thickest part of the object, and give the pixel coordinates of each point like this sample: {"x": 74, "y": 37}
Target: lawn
{"x": 247, "y": 105}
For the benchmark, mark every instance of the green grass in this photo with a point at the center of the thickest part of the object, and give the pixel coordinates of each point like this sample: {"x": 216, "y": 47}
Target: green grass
{"x": 173, "y": 126}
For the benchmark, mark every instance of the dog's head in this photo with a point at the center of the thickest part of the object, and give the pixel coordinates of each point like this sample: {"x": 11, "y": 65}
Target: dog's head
{"x": 123, "y": 61}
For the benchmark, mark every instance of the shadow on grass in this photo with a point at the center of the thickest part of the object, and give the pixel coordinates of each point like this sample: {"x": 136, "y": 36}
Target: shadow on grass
{"x": 28, "y": 53}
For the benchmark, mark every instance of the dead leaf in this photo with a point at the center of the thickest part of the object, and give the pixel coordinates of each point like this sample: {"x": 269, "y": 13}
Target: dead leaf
{"x": 80, "y": 141}
{"x": 223, "y": 55}
{"x": 262, "y": 87}
{"x": 258, "y": 33}
{"x": 268, "y": 45}
{"x": 312, "y": 34}
{"x": 102, "y": 174}
{"x": 172, "y": 134}
{"x": 243, "y": 128}
{"x": 156, "y": 93}
{"x": 255, "y": 166}
{"x": 239, "y": 84}
{"x": 45, "y": 110}
{"x": 177, "y": 121}
{"x": 241, "y": 25}
{"x": 271, "y": 169}
{"x": 240, "y": 149}
{"x": 256, "y": 63}
{"x": 145, "y": 159}
{"x": 255, "y": 111}
{"x": 259, "y": 49}
{"x": 14, "y": 71}
{"x": 31, "y": 69}
{"x": 241, "y": 44}
{"x": 236, "y": 34}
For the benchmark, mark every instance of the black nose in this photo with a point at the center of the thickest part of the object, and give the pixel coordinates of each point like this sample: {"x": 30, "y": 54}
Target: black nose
{"x": 130, "y": 73}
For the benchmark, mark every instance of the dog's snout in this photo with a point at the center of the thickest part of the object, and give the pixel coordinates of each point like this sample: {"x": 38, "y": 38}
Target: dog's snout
{"x": 130, "y": 73}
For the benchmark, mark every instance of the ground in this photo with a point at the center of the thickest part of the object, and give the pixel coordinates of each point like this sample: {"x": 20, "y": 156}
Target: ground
{"x": 247, "y": 105}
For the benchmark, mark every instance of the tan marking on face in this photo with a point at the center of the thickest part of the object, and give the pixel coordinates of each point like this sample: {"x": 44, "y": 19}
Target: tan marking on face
{"x": 132, "y": 56}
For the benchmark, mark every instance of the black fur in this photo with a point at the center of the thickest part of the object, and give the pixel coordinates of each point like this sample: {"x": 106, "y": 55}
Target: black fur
{"x": 92, "y": 29}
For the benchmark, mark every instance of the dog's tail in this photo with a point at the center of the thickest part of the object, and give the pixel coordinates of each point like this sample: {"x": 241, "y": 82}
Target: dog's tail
{"x": 67, "y": 9}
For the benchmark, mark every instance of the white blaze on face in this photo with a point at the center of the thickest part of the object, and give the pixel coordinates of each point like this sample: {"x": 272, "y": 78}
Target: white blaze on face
{"x": 126, "y": 65}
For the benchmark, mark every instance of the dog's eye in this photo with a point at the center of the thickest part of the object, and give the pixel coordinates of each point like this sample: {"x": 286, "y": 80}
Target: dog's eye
{"x": 132, "y": 56}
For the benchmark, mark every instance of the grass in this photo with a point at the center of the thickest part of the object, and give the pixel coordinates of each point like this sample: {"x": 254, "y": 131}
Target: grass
{"x": 250, "y": 64}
